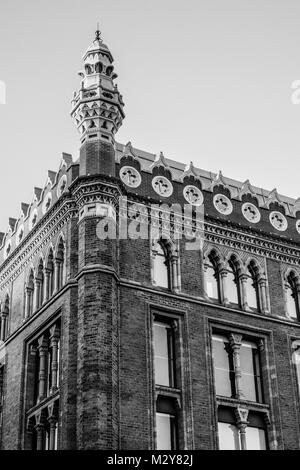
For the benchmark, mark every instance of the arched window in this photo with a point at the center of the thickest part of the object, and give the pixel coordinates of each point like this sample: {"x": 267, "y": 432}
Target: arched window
{"x": 40, "y": 285}
{"x": 49, "y": 273}
{"x": 98, "y": 67}
{"x": 88, "y": 69}
{"x": 4, "y": 319}
{"x": 59, "y": 264}
{"x": 252, "y": 291}
{"x": 29, "y": 295}
{"x": 232, "y": 282}
{"x": 212, "y": 280}
{"x": 161, "y": 265}
{"x": 292, "y": 302}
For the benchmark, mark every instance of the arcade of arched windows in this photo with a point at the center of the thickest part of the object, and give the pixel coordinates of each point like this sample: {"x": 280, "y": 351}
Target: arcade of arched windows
{"x": 45, "y": 279}
{"x": 232, "y": 282}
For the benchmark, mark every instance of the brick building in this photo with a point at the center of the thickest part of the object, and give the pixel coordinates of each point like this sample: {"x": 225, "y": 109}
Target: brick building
{"x": 144, "y": 304}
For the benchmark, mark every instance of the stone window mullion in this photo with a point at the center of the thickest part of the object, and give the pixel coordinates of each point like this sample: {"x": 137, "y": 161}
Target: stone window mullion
{"x": 235, "y": 341}
{"x": 54, "y": 340}
{"x": 243, "y": 283}
{"x": 4, "y": 316}
{"x": 223, "y": 288}
{"x": 241, "y": 415}
{"x": 42, "y": 372}
{"x": 262, "y": 291}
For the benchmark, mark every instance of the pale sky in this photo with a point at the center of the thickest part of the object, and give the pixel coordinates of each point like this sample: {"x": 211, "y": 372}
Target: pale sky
{"x": 202, "y": 80}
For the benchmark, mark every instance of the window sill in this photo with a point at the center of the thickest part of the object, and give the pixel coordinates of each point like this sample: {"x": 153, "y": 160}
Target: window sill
{"x": 233, "y": 402}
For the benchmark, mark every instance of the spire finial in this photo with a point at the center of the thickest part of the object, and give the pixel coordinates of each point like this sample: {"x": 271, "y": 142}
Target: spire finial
{"x": 98, "y": 34}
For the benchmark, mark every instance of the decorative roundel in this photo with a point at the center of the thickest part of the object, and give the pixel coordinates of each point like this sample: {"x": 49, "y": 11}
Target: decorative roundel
{"x": 7, "y": 249}
{"x": 298, "y": 226}
{"x": 193, "y": 195}
{"x": 162, "y": 186}
{"x": 62, "y": 185}
{"x": 47, "y": 203}
{"x": 20, "y": 234}
{"x": 130, "y": 176}
{"x": 33, "y": 219}
{"x": 278, "y": 221}
{"x": 251, "y": 213}
{"x": 222, "y": 204}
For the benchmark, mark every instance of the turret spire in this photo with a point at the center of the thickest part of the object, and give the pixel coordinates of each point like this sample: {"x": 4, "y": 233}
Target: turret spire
{"x": 97, "y": 108}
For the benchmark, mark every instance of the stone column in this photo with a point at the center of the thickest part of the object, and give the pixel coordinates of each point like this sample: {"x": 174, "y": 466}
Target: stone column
{"x": 57, "y": 271}
{"x": 241, "y": 415}
{"x": 262, "y": 287}
{"x": 37, "y": 286}
{"x": 3, "y": 325}
{"x": 47, "y": 284}
{"x": 40, "y": 431}
{"x": 235, "y": 341}
{"x": 243, "y": 280}
{"x": 43, "y": 351}
{"x": 54, "y": 340}
{"x": 174, "y": 273}
{"x": 222, "y": 277}
{"x": 286, "y": 286}
{"x": 52, "y": 425}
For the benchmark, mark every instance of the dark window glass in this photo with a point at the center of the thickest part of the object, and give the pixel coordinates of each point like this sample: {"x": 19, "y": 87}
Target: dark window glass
{"x": 223, "y": 367}
{"x": 212, "y": 281}
{"x": 251, "y": 375}
{"x": 166, "y": 424}
{"x": 232, "y": 285}
{"x": 164, "y": 354}
{"x": 229, "y": 438}
{"x": 165, "y": 431}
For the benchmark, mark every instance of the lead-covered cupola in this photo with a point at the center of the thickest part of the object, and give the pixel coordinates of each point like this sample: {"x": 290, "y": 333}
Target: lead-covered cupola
{"x": 97, "y": 108}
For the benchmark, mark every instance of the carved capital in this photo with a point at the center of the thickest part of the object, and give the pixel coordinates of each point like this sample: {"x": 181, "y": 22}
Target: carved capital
{"x": 241, "y": 415}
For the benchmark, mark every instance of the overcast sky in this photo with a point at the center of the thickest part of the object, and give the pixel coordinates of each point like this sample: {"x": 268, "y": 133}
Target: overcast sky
{"x": 202, "y": 80}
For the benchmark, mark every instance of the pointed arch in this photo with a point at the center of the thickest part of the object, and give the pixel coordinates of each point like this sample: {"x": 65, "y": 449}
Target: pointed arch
{"x": 39, "y": 280}
{"x": 49, "y": 273}
{"x": 292, "y": 288}
{"x": 60, "y": 263}
{"x": 4, "y": 318}
{"x": 29, "y": 293}
{"x": 212, "y": 261}
{"x": 165, "y": 263}
{"x": 251, "y": 285}
{"x": 232, "y": 279}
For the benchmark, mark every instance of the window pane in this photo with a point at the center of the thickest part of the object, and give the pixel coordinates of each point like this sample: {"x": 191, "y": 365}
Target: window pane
{"x": 228, "y": 437}
{"x": 211, "y": 283}
{"x": 291, "y": 304}
{"x": 251, "y": 293}
{"x": 231, "y": 288}
{"x": 165, "y": 431}
{"x": 255, "y": 439}
{"x": 249, "y": 382}
{"x": 160, "y": 268}
{"x": 223, "y": 374}
{"x": 163, "y": 357}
